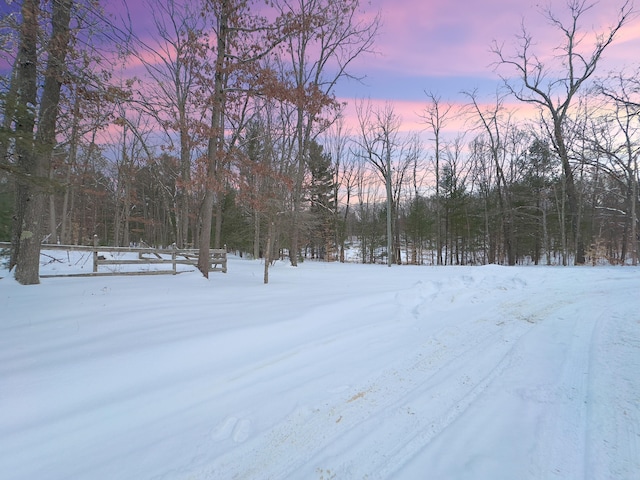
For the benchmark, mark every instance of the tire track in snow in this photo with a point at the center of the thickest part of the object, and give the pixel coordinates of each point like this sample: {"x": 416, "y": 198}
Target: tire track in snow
{"x": 563, "y": 443}
{"x": 421, "y": 415}
{"x": 580, "y": 435}
{"x": 593, "y": 431}
{"x": 614, "y": 440}
{"x": 444, "y": 378}
{"x": 418, "y": 416}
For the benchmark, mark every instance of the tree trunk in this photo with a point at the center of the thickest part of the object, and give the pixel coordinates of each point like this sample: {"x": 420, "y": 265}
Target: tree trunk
{"x": 634, "y": 221}
{"x": 68, "y": 189}
{"x": 268, "y": 254}
{"x": 214, "y": 149}
{"x": 387, "y": 179}
{"x": 182, "y": 221}
{"x": 28, "y": 259}
{"x": 438, "y": 204}
{"x": 572, "y": 196}
{"x": 301, "y": 168}
{"x": 26, "y": 248}
{"x": 217, "y": 238}
{"x": 52, "y": 237}
{"x": 256, "y": 234}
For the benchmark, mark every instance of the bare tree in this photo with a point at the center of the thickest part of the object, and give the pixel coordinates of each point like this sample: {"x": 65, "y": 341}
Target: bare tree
{"x": 482, "y": 181}
{"x": 368, "y": 195}
{"x": 171, "y": 59}
{"x": 331, "y": 37}
{"x": 617, "y": 138}
{"x": 336, "y": 143}
{"x": 380, "y": 145}
{"x": 131, "y": 153}
{"x": 435, "y": 116}
{"x": 409, "y": 156}
{"x": 489, "y": 120}
{"x": 553, "y": 86}
{"x": 265, "y": 183}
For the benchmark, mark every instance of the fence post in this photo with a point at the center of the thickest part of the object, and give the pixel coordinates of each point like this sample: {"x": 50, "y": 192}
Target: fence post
{"x": 95, "y": 253}
{"x": 224, "y": 263}
{"x": 173, "y": 258}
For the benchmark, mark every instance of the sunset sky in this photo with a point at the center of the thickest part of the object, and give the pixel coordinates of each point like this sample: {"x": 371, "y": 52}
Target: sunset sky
{"x": 443, "y": 46}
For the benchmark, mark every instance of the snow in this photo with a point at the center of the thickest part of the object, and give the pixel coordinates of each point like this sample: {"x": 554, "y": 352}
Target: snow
{"x": 329, "y": 372}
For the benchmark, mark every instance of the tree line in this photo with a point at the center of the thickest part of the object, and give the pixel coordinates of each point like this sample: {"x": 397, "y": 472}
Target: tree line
{"x": 228, "y": 133}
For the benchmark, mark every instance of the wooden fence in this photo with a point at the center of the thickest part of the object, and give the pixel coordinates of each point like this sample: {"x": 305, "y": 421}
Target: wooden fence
{"x": 171, "y": 256}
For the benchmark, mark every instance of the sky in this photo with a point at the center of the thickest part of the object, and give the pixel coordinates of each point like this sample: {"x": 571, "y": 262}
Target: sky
{"x": 443, "y": 46}
{"x": 343, "y": 371}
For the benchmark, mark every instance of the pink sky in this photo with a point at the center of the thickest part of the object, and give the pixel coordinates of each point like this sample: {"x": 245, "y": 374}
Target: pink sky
{"x": 443, "y": 46}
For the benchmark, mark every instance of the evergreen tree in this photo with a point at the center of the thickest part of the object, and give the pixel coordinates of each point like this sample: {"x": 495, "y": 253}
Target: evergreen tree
{"x": 419, "y": 227}
{"x": 531, "y": 199}
{"x": 237, "y": 231}
{"x": 322, "y": 209}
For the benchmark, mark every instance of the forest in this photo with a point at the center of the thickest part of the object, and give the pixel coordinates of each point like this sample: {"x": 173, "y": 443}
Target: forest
{"x": 223, "y": 130}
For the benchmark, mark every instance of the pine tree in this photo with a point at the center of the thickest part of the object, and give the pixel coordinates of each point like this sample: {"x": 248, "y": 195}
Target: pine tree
{"x": 322, "y": 234}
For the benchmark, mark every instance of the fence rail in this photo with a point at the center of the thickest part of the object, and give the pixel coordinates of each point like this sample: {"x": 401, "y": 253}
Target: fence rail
{"x": 146, "y": 256}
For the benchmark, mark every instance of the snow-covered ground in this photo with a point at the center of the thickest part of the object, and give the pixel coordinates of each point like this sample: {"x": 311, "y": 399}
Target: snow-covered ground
{"x": 329, "y": 372}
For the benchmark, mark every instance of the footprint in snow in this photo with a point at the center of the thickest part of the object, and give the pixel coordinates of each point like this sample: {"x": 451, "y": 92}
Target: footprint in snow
{"x": 224, "y": 430}
{"x": 242, "y": 431}
{"x": 234, "y": 428}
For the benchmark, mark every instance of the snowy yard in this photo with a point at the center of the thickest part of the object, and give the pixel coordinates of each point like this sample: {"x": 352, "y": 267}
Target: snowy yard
{"x": 329, "y": 372}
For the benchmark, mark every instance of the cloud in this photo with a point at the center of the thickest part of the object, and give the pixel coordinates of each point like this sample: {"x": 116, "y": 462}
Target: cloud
{"x": 445, "y": 45}
{"x": 444, "y": 38}
{"x": 459, "y": 120}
